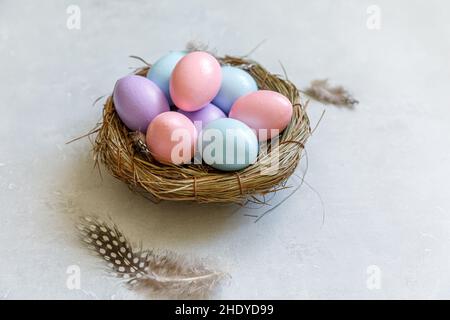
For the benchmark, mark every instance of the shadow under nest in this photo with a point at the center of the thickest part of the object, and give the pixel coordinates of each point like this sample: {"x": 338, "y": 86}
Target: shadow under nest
{"x": 118, "y": 150}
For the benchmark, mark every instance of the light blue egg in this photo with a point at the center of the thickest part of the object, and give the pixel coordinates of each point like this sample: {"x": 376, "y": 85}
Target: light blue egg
{"x": 228, "y": 145}
{"x": 162, "y": 69}
{"x": 235, "y": 83}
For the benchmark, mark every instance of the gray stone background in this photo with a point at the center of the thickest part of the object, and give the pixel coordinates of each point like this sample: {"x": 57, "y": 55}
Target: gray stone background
{"x": 378, "y": 173}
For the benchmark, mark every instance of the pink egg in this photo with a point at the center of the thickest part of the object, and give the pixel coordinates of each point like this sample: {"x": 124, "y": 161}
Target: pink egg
{"x": 171, "y": 138}
{"x": 263, "y": 109}
{"x": 195, "y": 81}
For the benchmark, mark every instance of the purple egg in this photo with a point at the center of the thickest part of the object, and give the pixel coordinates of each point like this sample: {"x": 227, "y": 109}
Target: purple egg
{"x": 137, "y": 101}
{"x": 204, "y": 116}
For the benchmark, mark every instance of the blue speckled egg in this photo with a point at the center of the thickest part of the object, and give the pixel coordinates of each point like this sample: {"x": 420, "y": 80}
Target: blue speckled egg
{"x": 228, "y": 145}
{"x": 235, "y": 84}
{"x": 162, "y": 69}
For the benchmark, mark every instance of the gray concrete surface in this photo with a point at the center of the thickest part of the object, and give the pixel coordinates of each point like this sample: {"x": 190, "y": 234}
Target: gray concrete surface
{"x": 382, "y": 170}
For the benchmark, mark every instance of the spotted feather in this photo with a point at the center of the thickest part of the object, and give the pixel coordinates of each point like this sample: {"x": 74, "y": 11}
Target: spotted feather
{"x": 164, "y": 271}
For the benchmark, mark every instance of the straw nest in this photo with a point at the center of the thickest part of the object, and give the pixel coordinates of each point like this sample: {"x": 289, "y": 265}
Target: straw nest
{"x": 125, "y": 157}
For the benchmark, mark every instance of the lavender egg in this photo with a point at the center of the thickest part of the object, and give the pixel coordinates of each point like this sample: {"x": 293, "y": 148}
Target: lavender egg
{"x": 138, "y": 101}
{"x": 204, "y": 116}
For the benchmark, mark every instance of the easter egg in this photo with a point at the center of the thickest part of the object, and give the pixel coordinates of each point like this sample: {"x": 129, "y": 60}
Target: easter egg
{"x": 171, "y": 138}
{"x": 228, "y": 145}
{"x": 235, "y": 84}
{"x": 267, "y": 112}
{"x": 161, "y": 71}
{"x": 137, "y": 101}
{"x": 195, "y": 81}
{"x": 205, "y": 115}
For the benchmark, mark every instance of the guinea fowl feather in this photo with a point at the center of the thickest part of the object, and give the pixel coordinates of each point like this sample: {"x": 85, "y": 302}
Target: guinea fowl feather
{"x": 164, "y": 272}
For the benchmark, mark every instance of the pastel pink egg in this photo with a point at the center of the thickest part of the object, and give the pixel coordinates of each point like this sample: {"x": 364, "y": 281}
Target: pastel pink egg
{"x": 171, "y": 138}
{"x": 195, "y": 81}
{"x": 263, "y": 109}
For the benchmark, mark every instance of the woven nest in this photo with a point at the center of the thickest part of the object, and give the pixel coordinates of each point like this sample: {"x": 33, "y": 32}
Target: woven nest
{"x": 116, "y": 147}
